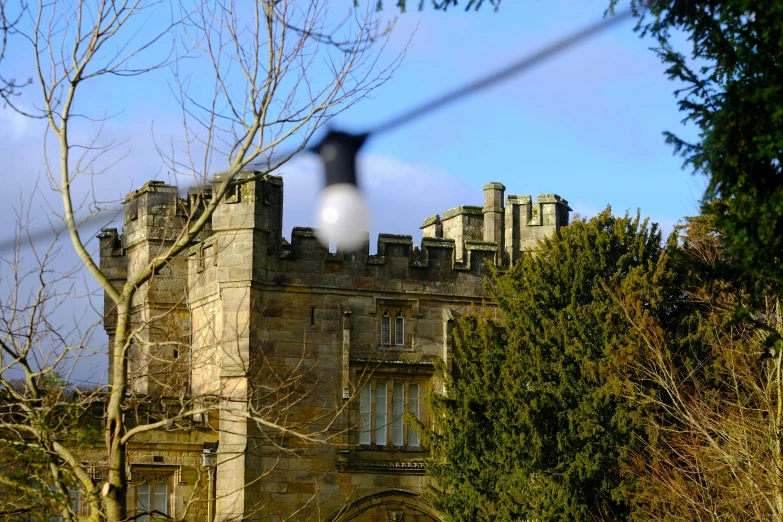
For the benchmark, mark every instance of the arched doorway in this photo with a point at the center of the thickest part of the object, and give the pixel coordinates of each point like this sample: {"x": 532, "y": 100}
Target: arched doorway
{"x": 395, "y": 505}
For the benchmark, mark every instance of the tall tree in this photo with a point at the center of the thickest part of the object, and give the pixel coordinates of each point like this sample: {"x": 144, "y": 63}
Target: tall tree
{"x": 533, "y": 424}
{"x": 717, "y": 418}
{"x": 732, "y": 91}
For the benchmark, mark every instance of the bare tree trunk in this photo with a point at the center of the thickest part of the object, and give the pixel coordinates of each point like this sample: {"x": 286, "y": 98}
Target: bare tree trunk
{"x": 116, "y": 492}
{"x": 777, "y": 431}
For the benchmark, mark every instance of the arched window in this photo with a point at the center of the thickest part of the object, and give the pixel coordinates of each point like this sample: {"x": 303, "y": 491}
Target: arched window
{"x": 399, "y": 329}
{"x": 386, "y": 329}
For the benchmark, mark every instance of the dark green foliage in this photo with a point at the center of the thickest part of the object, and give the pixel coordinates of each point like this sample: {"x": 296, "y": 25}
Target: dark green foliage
{"x": 535, "y": 424}
{"x": 733, "y": 93}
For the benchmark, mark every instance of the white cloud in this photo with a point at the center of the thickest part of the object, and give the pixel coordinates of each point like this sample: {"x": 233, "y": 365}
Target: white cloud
{"x": 14, "y": 126}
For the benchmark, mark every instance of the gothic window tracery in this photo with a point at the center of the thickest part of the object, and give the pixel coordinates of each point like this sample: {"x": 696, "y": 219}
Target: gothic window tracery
{"x": 393, "y": 328}
{"x": 376, "y": 426}
{"x": 386, "y": 329}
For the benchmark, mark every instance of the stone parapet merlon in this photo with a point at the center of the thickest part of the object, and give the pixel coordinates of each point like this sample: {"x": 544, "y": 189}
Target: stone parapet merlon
{"x": 392, "y": 249}
{"x": 527, "y": 222}
{"x": 243, "y": 241}
{"x": 398, "y": 264}
{"x": 513, "y": 228}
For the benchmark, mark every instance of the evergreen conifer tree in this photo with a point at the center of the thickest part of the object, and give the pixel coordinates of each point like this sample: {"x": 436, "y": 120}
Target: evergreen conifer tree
{"x": 535, "y": 423}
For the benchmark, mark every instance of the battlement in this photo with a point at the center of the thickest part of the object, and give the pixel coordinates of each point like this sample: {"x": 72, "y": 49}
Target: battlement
{"x": 244, "y": 240}
{"x": 512, "y": 229}
{"x": 453, "y": 258}
{"x": 243, "y": 245}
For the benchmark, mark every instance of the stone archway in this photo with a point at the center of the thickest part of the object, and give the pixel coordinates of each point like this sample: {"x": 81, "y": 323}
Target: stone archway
{"x": 395, "y": 505}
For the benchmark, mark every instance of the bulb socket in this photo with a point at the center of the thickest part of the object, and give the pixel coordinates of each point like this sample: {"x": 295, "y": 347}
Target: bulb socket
{"x": 338, "y": 151}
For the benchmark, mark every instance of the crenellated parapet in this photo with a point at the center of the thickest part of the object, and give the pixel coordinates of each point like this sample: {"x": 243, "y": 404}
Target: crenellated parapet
{"x": 512, "y": 229}
{"x": 398, "y": 263}
{"x": 154, "y": 219}
{"x": 528, "y": 221}
{"x": 242, "y": 250}
{"x": 243, "y": 242}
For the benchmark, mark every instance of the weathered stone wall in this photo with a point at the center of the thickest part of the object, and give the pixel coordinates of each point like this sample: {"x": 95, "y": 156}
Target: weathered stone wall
{"x": 175, "y": 455}
{"x": 154, "y": 218}
{"x": 512, "y": 229}
{"x": 179, "y": 460}
{"x": 304, "y": 327}
{"x": 462, "y": 224}
{"x": 290, "y": 333}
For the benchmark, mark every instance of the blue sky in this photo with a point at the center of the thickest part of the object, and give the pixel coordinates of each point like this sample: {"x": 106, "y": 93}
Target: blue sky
{"x": 586, "y": 125}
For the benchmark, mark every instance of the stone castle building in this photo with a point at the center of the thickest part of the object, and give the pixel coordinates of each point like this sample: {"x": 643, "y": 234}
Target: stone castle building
{"x": 253, "y": 329}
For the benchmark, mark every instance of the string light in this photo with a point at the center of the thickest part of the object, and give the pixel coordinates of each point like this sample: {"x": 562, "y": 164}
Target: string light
{"x": 342, "y": 215}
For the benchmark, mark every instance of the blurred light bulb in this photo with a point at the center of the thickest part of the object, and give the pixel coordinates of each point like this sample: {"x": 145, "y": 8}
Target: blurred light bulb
{"x": 342, "y": 217}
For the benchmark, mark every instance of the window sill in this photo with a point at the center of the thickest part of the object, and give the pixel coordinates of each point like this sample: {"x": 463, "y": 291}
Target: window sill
{"x": 383, "y": 459}
{"x": 393, "y": 348}
{"x": 390, "y": 448}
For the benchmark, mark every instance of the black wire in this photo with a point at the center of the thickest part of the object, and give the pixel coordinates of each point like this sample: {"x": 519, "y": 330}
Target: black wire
{"x": 33, "y": 236}
{"x": 439, "y": 102}
{"x": 501, "y": 75}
